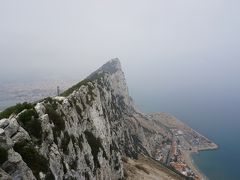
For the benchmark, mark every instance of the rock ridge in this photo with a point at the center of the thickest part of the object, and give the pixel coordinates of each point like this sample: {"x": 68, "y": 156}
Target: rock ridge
{"x": 82, "y": 134}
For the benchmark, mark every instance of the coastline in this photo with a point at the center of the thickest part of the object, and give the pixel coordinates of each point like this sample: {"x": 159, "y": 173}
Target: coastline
{"x": 190, "y": 162}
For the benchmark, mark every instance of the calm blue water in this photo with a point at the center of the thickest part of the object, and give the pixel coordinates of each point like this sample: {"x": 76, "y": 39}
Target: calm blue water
{"x": 217, "y": 117}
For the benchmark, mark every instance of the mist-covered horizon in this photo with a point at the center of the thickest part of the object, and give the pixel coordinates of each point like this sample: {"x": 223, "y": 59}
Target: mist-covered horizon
{"x": 180, "y": 57}
{"x": 171, "y": 51}
{"x": 180, "y": 43}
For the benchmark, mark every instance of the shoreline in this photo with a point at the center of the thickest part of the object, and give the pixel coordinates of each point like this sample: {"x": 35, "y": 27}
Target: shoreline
{"x": 190, "y": 162}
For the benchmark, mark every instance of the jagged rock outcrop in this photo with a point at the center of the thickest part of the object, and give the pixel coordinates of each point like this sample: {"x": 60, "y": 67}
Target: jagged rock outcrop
{"x": 80, "y": 135}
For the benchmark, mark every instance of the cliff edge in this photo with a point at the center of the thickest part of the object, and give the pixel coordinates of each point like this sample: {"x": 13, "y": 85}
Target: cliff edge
{"x": 82, "y": 134}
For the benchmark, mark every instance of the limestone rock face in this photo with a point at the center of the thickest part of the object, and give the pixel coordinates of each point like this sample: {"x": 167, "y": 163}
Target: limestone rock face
{"x": 13, "y": 166}
{"x": 4, "y": 175}
{"x": 81, "y": 135}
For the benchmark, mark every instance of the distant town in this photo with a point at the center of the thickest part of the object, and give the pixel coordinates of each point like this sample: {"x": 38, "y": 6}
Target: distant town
{"x": 12, "y": 93}
{"x": 175, "y": 152}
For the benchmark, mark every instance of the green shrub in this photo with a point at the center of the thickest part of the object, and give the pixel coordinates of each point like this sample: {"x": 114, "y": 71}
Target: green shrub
{"x": 27, "y": 116}
{"x": 91, "y": 78}
{"x": 48, "y": 99}
{"x": 74, "y": 87}
{"x": 95, "y": 144}
{"x": 30, "y": 122}
{"x": 65, "y": 142}
{"x": 35, "y": 161}
{"x": 28, "y": 119}
{"x": 74, "y": 164}
{"x": 55, "y": 118}
{"x": 51, "y": 101}
{"x": 15, "y": 109}
{"x": 3, "y": 155}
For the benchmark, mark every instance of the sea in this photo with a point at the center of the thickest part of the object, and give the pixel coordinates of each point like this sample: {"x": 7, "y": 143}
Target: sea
{"x": 215, "y": 116}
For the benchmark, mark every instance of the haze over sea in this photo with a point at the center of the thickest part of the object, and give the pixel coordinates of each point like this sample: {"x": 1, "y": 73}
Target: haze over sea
{"x": 216, "y": 117}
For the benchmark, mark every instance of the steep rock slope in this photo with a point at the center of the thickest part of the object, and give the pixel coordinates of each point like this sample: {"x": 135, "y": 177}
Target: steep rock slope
{"x": 81, "y": 134}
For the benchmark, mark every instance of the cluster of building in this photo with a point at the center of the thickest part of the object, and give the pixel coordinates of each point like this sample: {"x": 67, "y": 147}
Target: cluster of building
{"x": 178, "y": 163}
{"x": 176, "y": 158}
{"x": 183, "y": 140}
{"x": 162, "y": 152}
{"x": 196, "y": 140}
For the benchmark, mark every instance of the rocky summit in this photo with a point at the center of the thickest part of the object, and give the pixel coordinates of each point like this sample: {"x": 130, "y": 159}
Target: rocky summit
{"x": 87, "y": 132}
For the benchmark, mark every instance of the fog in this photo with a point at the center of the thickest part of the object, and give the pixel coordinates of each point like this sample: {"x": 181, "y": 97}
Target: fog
{"x": 179, "y": 56}
{"x": 178, "y": 49}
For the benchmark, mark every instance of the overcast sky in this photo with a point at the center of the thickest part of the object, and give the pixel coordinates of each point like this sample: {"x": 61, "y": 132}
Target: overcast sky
{"x": 188, "y": 46}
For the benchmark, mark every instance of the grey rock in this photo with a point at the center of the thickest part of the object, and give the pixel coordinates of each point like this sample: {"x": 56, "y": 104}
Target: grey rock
{"x": 20, "y": 135}
{"x": 16, "y": 167}
{"x": 4, "y": 123}
{"x": 4, "y": 175}
{"x": 12, "y": 127}
{"x": 5, "y": 141}
{"x": 85, "y": 134}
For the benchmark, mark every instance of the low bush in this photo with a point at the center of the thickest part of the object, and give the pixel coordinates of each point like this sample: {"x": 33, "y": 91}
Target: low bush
{"x": 35, "y": 161}
{"x": 65, "y": 142}
{"x": 55, "y": 117}
{"x": 15, "y": 109}
{"x": 96, "y": 145}
{"x": 3, "y": 155}
{"x": 74, "y": 87}
{"x": 95, "y": 76}
{"x": 30, "y": 122}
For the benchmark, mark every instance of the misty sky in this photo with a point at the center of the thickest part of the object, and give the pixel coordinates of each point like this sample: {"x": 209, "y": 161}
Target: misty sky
{"x": 167, "y": 46}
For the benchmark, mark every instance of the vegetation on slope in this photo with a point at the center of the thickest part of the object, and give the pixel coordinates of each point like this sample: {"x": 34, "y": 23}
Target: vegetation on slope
{"x": 96, "y": 145}
{"x": 91, "y": 78}
{"x": 28, "y": 118}
{"x": 58, "y": 121}
{"x": 65, "y": 142}
{"x": 15, "y": 109}
{"x": 30, "y": 122}
{"x": 35, "y": 161}
{"x": 3, "y": 155}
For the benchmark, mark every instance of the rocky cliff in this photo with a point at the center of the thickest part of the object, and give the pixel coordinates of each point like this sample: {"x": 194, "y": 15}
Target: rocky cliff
{"x": 81, "y": 134}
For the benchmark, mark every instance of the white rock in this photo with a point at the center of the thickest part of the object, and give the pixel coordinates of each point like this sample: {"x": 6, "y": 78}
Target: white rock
{"x": 1, "y": 131}
{"x": 4, "y": 123}
{"x": 12, "y": 128}
{"x": 59, "y": 98}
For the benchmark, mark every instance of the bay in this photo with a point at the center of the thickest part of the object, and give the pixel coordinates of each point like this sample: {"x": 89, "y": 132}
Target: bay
{"x": 216, "y": 117}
